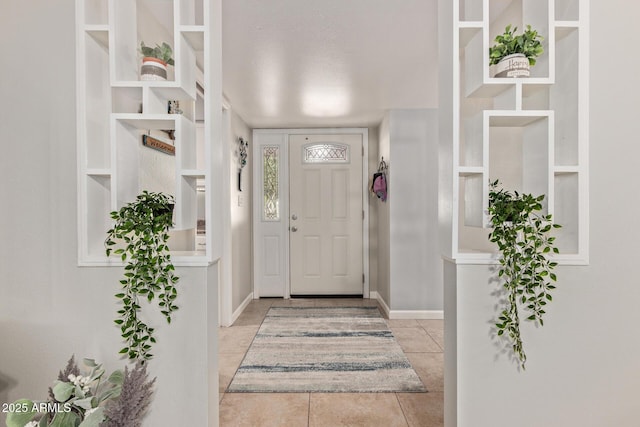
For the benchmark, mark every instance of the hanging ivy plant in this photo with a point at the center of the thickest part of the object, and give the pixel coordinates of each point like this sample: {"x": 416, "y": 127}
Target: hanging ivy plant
{"x": 522, "y": 234}
{"x": 143, "y": 227}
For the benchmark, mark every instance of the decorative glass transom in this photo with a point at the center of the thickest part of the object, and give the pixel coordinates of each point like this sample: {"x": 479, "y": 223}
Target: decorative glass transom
{"x": 325, "y": 153}
{"x": 270, "y": 166}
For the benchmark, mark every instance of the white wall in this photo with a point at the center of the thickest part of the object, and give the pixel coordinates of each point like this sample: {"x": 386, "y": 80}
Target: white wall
{"x": 373, "y": 211}
{"x": 583, "y": 367}
{"x": 241, "y": 281}
{"x": 416, "y": 270}
{"x": 409, "y": 267}
{"x": 384, "y": 224}
{"x": 49, "y": 307}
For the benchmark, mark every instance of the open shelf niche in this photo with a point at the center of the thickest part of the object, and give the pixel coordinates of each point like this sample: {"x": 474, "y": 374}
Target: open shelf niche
{"x": 531, "y": 133}
{"x": 116, "y": 108}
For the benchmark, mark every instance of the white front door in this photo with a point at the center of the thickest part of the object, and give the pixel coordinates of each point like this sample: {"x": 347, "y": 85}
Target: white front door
{"x": 325, "y": 214}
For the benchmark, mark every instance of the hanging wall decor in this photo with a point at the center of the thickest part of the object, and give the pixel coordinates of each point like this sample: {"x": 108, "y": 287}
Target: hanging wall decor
{"x": 379, "y": 181}
{"x": 156, "y": 144}
{"x": 242, "y": 157}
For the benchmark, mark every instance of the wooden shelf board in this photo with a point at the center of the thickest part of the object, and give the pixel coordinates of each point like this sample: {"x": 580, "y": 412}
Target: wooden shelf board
{"x": 474, "y": 256}
{"x": 468, "y": 30}
{"x": 495, "y": 86}
{"x": 102, "y": 172}
{"x": 147, "y": 121}
{"x": 169, "y": 89}
{"x": 194, "y": 34}
{"x": 99, "y": 33}
{"x": 193, "y": 173}
{"x": 564, "y": 28}
{"x": 179, "y": 259}
{"x": 515, "y": 118}
{"x": 470, "y": 171}
{"x": 566, "y": 170}
{"x": 145, "y": 83}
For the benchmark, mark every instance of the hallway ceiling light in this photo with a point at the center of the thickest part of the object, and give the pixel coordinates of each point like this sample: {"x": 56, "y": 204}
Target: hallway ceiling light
{"x": 325, "y": 102}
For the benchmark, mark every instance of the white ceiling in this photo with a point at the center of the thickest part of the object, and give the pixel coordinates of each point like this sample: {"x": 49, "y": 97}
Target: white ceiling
{"x": 313, "y": 63}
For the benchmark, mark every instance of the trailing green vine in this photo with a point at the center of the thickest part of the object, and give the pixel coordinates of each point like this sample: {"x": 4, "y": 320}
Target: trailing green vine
{"x": 143, "y": 227}
{"x": 521, "y": 232}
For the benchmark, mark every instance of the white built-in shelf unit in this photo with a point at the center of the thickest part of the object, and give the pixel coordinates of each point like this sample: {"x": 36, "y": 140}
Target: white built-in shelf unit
{"x": 115, "y": 108}
{"x": 531, "y": 133}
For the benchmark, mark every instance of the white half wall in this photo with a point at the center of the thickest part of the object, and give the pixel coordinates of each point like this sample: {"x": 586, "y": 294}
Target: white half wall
{"x": 49, "y": 307}
{"x": 583, "y": 367}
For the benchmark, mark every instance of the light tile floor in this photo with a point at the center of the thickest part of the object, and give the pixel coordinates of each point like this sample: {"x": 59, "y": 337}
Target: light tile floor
{"x": 421, "y": 340}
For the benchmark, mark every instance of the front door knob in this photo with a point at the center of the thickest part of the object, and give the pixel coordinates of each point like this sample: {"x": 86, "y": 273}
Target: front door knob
{"x": 294, "y": 229}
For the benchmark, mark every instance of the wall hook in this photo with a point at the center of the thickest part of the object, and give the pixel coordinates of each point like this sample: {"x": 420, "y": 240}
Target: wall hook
{"x": 382, "y": 167}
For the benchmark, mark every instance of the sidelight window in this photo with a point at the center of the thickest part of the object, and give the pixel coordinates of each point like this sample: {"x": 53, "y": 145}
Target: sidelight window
{"x": 270, "y": 182}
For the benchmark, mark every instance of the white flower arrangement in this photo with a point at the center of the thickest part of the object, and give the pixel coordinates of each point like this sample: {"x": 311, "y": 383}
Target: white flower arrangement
{"x": 88, "y": 401}
{"x": 79, "y": 401}
{"x": 83, "y": 382}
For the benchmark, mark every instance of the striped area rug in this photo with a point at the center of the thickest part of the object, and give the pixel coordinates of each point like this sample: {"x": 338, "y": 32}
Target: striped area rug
{"x": 318, "y": 349}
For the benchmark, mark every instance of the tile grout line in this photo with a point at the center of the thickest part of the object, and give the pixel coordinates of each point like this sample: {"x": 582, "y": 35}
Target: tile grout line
{"x": 431, "y": 336}
{"x": 402, "y": 409}
{"x": 432, "y": 339}
{"x": 437, "y": 343}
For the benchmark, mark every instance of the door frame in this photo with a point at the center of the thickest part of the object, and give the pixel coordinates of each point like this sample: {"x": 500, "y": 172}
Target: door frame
{"x": 276, "y": 282}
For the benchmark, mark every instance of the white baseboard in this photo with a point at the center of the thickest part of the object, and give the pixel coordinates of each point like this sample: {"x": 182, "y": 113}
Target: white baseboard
{"x": 240, "y": 309}
{"x": 375, "y": 295}
{"x": 416, "y": 314}
{"x": 406, "y": 314}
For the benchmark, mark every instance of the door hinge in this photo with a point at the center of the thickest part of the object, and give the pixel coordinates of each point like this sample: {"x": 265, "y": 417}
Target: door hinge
{"x": 363, "y": 151}
{"x": 362, "y": 277}
{"x": 363, "y": 214}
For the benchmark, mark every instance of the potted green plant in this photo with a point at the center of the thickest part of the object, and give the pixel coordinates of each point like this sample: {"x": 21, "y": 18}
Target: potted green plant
{"x": 522, "y": 234}
{"x": 155, "y": 61}
{"x": 514, "y": 54}
{"x": 142, "y": 228}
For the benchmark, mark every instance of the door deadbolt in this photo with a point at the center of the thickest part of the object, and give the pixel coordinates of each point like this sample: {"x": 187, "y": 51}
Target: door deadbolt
{"x": 294, "y": 217}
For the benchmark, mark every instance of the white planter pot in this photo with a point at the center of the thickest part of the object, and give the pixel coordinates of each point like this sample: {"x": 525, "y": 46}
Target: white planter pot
{"x": 153, "y": 69}
{"x": 516, "y": 65}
